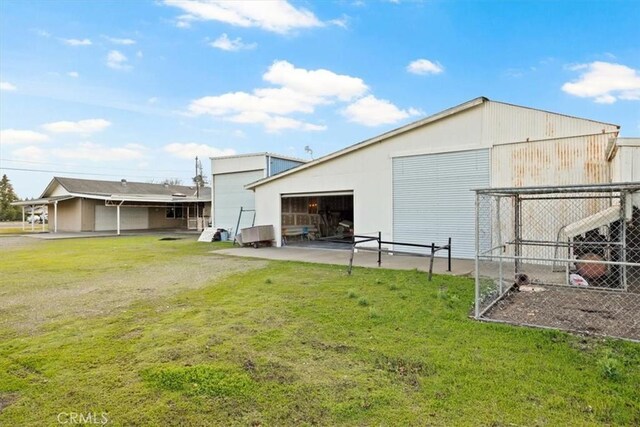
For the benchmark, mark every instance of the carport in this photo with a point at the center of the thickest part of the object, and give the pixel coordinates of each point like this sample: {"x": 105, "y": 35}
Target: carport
{"x": 43, "y": 204}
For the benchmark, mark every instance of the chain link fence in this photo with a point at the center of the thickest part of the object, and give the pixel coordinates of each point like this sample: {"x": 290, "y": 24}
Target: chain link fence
{"x": 560, "y": 257}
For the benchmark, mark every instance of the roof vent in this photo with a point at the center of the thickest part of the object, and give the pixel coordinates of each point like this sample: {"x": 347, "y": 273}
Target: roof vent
{"x": 123, "y": 182}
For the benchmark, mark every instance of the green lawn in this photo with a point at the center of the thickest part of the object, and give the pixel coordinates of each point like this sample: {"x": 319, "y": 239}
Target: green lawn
{"x": 154, "y": 332}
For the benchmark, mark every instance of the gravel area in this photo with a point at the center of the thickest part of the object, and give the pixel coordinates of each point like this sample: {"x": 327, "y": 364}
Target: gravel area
{"x": 113, "y": 290}
{"x": 585, "y": 310}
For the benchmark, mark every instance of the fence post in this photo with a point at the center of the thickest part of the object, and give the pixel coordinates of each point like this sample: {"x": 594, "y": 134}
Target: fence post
{"x": 449, "y": 256}
{"x": 477, "y": 272}
{"x": 379, "y": 248}
{"x": 433, "y": 251}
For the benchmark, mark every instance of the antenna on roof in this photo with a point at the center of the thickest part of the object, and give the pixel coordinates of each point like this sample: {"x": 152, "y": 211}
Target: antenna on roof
{"x": 308, "y": 150}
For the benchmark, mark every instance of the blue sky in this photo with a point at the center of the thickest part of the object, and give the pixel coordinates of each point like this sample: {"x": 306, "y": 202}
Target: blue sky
{"x": 136, "y": 89}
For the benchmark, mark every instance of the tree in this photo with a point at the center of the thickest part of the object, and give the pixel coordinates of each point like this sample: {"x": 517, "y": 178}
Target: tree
{"x": 7, "y": 196}
{"x": 166, "y": 181}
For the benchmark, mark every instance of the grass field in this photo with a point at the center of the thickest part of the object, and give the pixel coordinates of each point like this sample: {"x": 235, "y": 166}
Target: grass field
{"x": 150, "y": 332}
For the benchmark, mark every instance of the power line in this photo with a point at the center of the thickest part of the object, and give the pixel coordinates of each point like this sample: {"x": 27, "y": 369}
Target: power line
{"x": 76, "y": 165}
{"x": 77, "y": 173}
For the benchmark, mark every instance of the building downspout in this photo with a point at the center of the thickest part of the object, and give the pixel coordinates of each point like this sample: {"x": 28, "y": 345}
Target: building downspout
{"x": 118, "y": 217}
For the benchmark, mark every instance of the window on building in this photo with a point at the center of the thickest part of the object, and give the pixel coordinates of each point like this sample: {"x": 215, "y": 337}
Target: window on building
{"x": 175, "y": 211}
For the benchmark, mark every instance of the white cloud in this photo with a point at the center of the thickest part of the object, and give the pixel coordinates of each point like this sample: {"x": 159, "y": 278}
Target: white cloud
{"x": 124, "y": 42}
{"x": 83, "y": 126}
{"x": 42, "y": 33}
{"x": 15, "y": 136}
{"x": 190, "y": 150}
{"x": 605, "y": 82}
{"x": 424, "y": 66}
{"x": 225, "y": 43}
{"x": 342, "y": 22}
{"x": 371, "y": 111}
{"x": 320, "y": 83}
{"x": 277, "y": 16}
{"x": 239, "y": 134}
{"x": 7, "y": 86}
{"x": 100, "y": 153}
{"x": 73, "y": 74}
{"x": 299, "y": 91}
{"x": 29, "y": 153}
{"x": 139, "y": 54}
{"x": 117, "y": 60}
{"x": 77, "y": 42}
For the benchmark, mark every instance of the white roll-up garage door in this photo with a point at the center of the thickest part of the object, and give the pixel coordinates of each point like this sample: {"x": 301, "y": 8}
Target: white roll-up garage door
{"x": 432, "y": 200}
{"x": 130, "y": 218}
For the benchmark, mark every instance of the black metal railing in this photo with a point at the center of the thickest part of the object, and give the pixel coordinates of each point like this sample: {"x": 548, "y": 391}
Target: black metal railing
{"x": 359, "y": 239}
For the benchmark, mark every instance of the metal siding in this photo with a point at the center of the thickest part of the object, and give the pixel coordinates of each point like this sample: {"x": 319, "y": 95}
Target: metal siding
{"x": 567, "y": 161}
{"x": 280, "y": 165}
{"x": 506, "y": 123}
{"x": 230, "y": 195}
{"x": 432, "y": 199}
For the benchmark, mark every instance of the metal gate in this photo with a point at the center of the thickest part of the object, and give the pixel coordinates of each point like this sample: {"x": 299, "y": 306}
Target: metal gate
{"x": 432, "y": 198}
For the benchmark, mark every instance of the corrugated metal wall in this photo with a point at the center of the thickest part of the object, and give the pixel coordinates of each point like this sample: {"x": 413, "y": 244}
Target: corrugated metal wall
{"x": 230, "y": 195}
{"x": 504, "y": 123}
{"x": 280, "y": 165}
{"x": 432, "y": 199}
{"x": 566, "y": 161}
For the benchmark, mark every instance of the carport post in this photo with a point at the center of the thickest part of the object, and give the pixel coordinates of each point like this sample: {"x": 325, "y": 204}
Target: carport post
{"x": 118, "y": 218}
{"x": 23, "y": 226}
{"x": 42, "y": 218}
{"x": 33, "y": 218}
{"x": 55, "y": 216}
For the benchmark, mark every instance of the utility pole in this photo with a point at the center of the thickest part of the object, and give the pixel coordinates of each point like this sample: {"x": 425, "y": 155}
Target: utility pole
{"x": 197, "y": 180}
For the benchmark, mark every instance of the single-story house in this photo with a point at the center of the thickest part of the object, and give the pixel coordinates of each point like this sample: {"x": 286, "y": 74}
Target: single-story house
{"x": 230, "y": 175}
{"x": 76, "y": 205}
{"x": 413, "y": 184}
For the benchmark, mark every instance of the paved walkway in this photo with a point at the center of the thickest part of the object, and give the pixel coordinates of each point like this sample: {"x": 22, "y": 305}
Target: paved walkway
{"x": 459, "y": 267}
{"x": 89, "y": 234}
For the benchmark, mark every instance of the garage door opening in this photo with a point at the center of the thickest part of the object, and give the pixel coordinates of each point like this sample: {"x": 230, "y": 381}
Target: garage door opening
{"x": 318, "y": 219}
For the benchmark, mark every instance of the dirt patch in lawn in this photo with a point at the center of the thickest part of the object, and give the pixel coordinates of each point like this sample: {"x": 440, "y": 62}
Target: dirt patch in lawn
{"x": 116, "y": 289}
{"x": 7, "y": 399}
{"x": 16, "y": 242}
{"x": 591, "y": 311}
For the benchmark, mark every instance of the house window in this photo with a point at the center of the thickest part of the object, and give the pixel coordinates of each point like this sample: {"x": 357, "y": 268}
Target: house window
{"x": 174, "y": 211}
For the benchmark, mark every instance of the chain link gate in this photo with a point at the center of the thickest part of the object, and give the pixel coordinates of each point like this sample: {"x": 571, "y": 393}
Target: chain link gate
{"x": 560, "y": 257}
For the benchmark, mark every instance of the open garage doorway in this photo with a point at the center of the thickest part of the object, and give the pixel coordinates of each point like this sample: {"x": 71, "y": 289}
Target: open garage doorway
{"x": 318, "y": 219}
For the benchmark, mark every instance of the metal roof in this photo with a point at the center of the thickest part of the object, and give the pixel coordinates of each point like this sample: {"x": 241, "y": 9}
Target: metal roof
{"x": 41, "y": 201}
{"x": 264, "y": 153}
{"x": 381, "y": 138}
{"x": 126, "y": 189}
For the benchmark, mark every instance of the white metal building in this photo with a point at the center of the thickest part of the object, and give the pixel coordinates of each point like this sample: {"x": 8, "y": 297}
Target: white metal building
{"x": 413, "y": 183}
{"x": 230, "y": 175}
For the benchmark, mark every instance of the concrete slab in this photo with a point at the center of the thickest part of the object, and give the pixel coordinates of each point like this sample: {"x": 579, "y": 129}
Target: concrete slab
{"x": 459, "y": 267}
{"x": 94, "y": 234}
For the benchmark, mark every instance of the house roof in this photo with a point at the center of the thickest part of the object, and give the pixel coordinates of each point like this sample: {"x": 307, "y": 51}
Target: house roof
{"x": 380, "y": 138}
{"x": 125, "y": 190}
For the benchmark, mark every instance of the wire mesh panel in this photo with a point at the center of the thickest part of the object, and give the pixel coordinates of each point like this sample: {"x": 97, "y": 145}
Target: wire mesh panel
{"x": 560, "y": 257}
